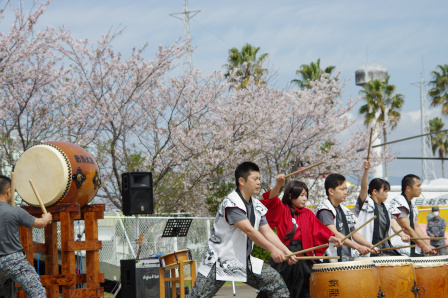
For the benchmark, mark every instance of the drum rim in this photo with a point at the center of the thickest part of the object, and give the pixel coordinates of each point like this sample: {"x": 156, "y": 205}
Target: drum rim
{"x": 389, "y": 260}
{"x": 428, "y": 262}
{"x": 429, "y": 259}
{"x": 344, "y": 268}
{"x": 70, "y": 172}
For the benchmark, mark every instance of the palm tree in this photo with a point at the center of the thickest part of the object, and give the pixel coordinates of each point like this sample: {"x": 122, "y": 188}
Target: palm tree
{"x": 381, "y": 106}
{"x": 309, "y": 73}
{"x": 439, "y": 141}
{"x": 247, "y": 63}
{"x": 439, "y": 90}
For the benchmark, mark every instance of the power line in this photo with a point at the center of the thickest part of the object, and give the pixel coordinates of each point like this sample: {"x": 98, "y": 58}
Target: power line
{"x": 424, "y": 158}
{"x": 406, "y": 139}
{"x": 211, "y": 32}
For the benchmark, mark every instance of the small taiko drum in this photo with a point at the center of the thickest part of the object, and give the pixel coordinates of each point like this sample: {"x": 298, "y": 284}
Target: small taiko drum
{"x": 397, "y": 276}
{"x": 175, "y": 257}
{"x": 61, "y": 172}
{"x": 345, "y": 279}
{"x": 431, "y": 273}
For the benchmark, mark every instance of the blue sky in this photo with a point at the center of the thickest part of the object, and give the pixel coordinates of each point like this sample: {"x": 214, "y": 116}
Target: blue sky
{"x": 407, "y": 37}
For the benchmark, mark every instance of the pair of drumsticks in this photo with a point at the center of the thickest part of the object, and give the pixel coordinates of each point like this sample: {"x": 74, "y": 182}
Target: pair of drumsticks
{"x": 356, "y": 230}
{"x": 44, "y": 210}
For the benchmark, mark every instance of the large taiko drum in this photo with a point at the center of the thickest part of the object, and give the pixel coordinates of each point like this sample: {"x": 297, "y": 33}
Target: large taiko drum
{"x": 345, "y": 279}
{"x": 431, "y": 273}
{"x": 397, "y": 276}
{"x": 61, "y": 172}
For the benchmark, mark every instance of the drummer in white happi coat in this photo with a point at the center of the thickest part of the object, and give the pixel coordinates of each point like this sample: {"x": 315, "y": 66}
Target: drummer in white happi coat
{"x": 340, "y": 220}
{"x": 411, "y": 187}
{"x": 372, "y": 202}
{"x": 241, "y": 221}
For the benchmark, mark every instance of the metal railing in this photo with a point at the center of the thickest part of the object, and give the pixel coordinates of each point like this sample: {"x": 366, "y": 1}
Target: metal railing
{"x": 119, "y": 236}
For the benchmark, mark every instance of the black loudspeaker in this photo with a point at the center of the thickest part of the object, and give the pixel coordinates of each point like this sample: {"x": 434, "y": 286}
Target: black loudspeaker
{"x": 140, "y": 278}
{"x": 137, "y": 193}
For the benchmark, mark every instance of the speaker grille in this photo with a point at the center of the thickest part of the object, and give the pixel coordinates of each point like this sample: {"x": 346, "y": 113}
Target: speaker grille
{"x": 137, "y": 193}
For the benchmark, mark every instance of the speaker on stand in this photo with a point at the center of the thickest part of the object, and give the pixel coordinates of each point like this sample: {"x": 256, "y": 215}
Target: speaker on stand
{"x": 137, "y": 193}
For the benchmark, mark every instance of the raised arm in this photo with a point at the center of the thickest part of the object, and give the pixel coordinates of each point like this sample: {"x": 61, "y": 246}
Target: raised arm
{"x": 275, "y": 191}
{"x": 365, "y": 181}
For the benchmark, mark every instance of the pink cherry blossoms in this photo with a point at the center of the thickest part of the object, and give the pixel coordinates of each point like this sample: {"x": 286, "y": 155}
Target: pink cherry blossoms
{"x": 189, "y": 130}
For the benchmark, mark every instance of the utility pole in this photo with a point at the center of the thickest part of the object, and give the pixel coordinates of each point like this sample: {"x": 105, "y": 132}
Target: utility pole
{"x": 428, "y": 172}
{"x": 186, "y": 16}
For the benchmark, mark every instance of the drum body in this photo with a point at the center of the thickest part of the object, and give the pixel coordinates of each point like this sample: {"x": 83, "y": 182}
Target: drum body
{"x": 345, "y": 279}
{"x": 397, "y": 276}
{"x": 62, "y": 173}
{"x": 431, "y": 273}
{"x": 175, "y": 257}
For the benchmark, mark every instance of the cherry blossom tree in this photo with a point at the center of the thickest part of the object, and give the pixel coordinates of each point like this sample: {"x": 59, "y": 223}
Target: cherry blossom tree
{"x": 29, "y": 74}
{"x": 190, "y": 130}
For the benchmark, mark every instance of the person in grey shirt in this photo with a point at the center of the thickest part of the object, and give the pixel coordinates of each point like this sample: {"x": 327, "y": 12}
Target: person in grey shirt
{"x": 13, "y": 262}
{"x": 436, "y": 228}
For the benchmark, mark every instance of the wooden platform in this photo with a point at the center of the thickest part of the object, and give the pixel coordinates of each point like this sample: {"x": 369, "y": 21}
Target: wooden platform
{"x": 67, "y": 278}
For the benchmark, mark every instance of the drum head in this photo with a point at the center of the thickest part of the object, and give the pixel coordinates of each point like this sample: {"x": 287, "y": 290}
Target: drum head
{"x": 352, "y": 265}
{"x": 50, "y": 171}
{"x": 388, "y": 261}
{"x": 435, "y": 261}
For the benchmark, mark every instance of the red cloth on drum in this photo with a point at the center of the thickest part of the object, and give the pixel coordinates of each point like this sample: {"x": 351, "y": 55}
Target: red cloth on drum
{"x": 309, "y": 229}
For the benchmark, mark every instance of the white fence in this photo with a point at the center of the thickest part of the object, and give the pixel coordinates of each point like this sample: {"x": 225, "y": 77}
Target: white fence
{"x": 119, "y": 236}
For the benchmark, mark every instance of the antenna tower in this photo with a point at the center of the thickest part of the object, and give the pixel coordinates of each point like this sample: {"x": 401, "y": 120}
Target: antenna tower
{"x": 427, "y": 165}
{"x": 186, "y": 16}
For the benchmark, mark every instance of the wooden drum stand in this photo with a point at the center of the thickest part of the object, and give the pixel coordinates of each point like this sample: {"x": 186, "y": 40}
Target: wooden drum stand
{"x": 67, "y": 278}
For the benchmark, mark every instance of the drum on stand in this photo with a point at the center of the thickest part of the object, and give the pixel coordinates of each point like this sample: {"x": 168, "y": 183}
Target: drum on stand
{"x": 62, "y": 173}
{"x": 345, "y": 279}
{"x": 397, "y": 276}
{"x": 431, "y": 273}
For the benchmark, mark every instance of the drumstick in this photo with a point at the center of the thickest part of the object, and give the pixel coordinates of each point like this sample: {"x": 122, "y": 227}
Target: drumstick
{"x": 38, "y": 197}
{"x": 370, "y": 143}
{"x": 306, "y": 250}
{"x": 428, "y": 238}
{"x": 304, "y": 169}
{"x": 352, "y": 233}
{"x": 392, "y": 248}
{"x": 384, "y": 240}
{"x": 316, "y": 257}
{"x": 13, "y": 190}
{"x": 436, "y": 248}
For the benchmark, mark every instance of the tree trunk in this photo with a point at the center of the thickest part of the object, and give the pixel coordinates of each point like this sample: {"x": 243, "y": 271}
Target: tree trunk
{"x": 386, "y": 168}
{"x": 443, "y": 169}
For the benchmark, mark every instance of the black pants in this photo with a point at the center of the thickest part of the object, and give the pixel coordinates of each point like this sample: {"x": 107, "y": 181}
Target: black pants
{"x": 297, "y": 276}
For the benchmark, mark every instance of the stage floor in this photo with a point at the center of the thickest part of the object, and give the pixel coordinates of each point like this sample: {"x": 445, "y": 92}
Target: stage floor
{"x": 242, "y": 290}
